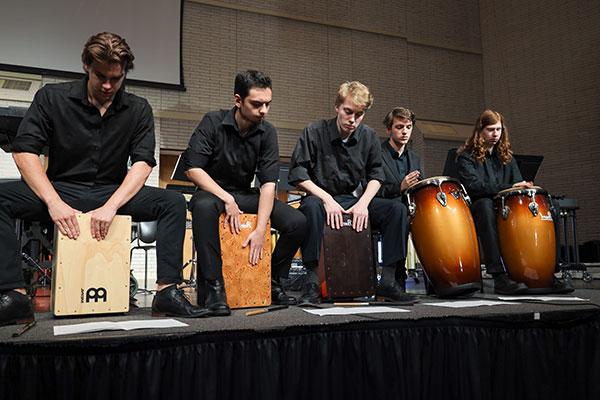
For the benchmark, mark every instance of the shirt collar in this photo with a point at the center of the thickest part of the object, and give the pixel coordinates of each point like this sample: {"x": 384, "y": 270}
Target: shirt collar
{"x": 394, "y": 152}
{"x": 334, "y": 133}
{"x": 229, "y": 120}
{"x": 79, "y": 91}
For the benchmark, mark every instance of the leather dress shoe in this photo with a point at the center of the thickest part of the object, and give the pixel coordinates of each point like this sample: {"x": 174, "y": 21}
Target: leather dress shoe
{"x": 216, "y": 299}
{"x": 311, "y": 294}
{"x": 279, "y": 296}
{"x": 561, "y": 286}
{"x": 504, "y": 285}
{"x": 15, "y": 308}
{"x": 394, "y": 291}
{"x": 171, "y": 301}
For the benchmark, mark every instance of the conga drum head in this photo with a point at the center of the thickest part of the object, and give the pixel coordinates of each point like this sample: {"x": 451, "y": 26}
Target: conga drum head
{"x": 444, "y": 235}
{"x": 526, "y": 235}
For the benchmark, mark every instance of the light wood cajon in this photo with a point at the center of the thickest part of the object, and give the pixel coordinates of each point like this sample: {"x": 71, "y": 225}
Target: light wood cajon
{"x": 91, "y": 276}
{"x": 246, "y": 285}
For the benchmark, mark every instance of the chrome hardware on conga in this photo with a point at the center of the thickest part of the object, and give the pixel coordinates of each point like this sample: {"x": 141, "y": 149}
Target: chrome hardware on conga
{"x": 526, "y": 234}
{"x": 444, "y": 235}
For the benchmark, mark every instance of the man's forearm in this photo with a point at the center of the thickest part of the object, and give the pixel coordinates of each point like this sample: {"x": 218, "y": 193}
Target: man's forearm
{"x": 265, "y": 204}
{"x": 134, "y": 180}
{"x": 370, "y": 192}
{"x": 206, "y": 183}
{"x": 310, "y": 187}
{"x": 33, "y": 173}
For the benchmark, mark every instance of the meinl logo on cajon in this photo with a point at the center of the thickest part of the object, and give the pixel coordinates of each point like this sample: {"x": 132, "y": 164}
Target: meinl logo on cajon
{"x": 94, "y": 294}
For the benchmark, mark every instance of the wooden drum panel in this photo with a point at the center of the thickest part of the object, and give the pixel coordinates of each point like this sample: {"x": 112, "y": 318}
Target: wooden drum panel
{"x": 246, "y": 285}
{"x": 91, "y": 276}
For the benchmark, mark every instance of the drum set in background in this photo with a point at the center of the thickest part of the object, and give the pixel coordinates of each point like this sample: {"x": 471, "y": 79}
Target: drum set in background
{"x": 446, "y": 242}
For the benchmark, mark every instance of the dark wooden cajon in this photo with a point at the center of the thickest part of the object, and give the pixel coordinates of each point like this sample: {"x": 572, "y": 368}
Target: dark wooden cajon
{"x": 246, "y": 285}
{"x": 346, "y": 265}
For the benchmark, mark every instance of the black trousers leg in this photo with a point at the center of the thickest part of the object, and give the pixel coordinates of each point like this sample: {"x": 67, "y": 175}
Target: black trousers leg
{"x": 313, "y": 210}
{"x": 169, "y": 209}
{"x": 390, "y": 216}
{"x": 485, "y": 225}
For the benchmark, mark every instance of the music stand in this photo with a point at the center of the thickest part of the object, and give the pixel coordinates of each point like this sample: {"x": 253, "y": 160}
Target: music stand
{"x": 528, "y": 165}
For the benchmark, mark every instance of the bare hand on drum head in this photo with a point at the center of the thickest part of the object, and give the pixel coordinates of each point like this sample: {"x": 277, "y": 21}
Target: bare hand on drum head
{"x": 334, "y": 213}
{"x": 409, "y": 180}
{"x": 523, "y": 184}
{"x": 256, "y": 240}
{"x": 360, "y": 216}
{"x": 232, "y": 216}
{"x": 100, "y": 221}
{"x": 65, "y": 218}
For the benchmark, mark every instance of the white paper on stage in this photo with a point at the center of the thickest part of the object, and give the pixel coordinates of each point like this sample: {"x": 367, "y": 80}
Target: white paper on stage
{"x": 469, "y": 303}
{"x": 117, "y": 326}
{"x": 542, "y": 298}
{"x": 353, "y": 310}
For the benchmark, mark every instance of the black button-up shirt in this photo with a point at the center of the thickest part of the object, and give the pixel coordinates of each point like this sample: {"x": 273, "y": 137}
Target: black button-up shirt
{"x": 229, "y": 158}
{"x": 83, "y": 146}
{"x": 402, "y": 164}
{"x": 487, "y": 178}
{"x": 337, "y": 167}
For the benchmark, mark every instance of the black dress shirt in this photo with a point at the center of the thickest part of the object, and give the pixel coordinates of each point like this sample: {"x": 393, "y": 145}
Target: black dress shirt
{"x": 83, "y": 146}
{"x": 487, "y": 178}
{"x": 229, "y": 158}
{"x": 396, "y": 168}
{"x": 337, "y": 167}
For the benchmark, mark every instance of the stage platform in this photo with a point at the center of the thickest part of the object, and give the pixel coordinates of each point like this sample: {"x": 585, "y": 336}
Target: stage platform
{"x": 530, "y": 350}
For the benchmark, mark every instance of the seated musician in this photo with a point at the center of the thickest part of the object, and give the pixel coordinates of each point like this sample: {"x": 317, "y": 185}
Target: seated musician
{"x": 92, "y": 127}
{"x": 402, "y": 168}
{"x": 485, "y": 167}
{"x": 225, "y": 151}
{"x": 338, "y": 163}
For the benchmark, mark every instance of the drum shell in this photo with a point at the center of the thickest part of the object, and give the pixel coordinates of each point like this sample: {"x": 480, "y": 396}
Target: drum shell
{"x": 445, "y": 237}
{"x": 527, "y": 242}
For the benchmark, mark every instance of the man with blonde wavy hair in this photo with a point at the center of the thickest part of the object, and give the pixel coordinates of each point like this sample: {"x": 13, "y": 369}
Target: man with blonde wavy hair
{"x": 338, "y": 163}
{"x": 92, "y": 128}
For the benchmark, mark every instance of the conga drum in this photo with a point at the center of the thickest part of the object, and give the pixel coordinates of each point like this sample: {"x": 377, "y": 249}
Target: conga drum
{"x": 444, "y": 235}
{"x": 526, "y": 235}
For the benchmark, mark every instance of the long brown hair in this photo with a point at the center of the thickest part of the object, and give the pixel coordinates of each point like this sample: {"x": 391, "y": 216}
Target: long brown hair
{"x": 476, "y": 144}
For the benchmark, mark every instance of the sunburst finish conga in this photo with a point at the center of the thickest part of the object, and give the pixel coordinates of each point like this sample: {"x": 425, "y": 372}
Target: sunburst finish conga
{"x": 444, "y": 235}
{"x": 526, "y": 235}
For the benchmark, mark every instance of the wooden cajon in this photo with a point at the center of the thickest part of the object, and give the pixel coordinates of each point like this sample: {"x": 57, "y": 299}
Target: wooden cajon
{"x": 346, "y": 265}
{"x": 246, "y": 285}
{"x": 91, "y": 276}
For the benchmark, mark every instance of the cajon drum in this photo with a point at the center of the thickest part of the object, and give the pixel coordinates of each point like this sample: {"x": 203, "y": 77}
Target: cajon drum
{"x": 91, "y": 276}
{"x": 346, "y": 265}
{"x": 246, "y": 285}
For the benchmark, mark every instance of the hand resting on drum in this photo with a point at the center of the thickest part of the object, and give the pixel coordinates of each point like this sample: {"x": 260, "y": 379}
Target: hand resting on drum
{"x": 409, "y": 179}
{"x": 523, "y": 184}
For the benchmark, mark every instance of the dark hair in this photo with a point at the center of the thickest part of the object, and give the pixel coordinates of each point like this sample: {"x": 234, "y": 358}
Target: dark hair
{"x": 398, "y": 112}
{"x": 246, "y": 80}
{"x": 476, "y": 144}
{"x": 108, "y": 47}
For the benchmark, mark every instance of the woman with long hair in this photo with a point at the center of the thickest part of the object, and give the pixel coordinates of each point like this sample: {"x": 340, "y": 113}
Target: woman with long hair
{"x": 485, "y": 167}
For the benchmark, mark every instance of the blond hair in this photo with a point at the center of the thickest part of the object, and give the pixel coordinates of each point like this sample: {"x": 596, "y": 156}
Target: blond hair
{"x": 357, "y": 92}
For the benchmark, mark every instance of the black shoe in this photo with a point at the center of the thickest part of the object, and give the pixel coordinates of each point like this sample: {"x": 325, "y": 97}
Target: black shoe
{"x": 311, "y": 294}
{"x": 172, "y": 302}
{"x": 504, "y": 285}
{"x": 393, "y": 291}
{"x": 15, "y": 308}
{"x": 216, "y": 299}
{"x": 278, "y": 295}
{"x": 562, "y": 286}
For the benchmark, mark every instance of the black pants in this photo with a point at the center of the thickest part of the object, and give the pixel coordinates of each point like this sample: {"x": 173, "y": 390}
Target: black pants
{"x": 206, "y": 209}
{"x": 389, "y": 216}
{"x": 17, "y": 200}
{"x": 484, "y": 216}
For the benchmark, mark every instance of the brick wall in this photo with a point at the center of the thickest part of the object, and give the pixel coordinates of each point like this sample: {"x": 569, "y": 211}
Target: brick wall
{"x": 541, "y": 69}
